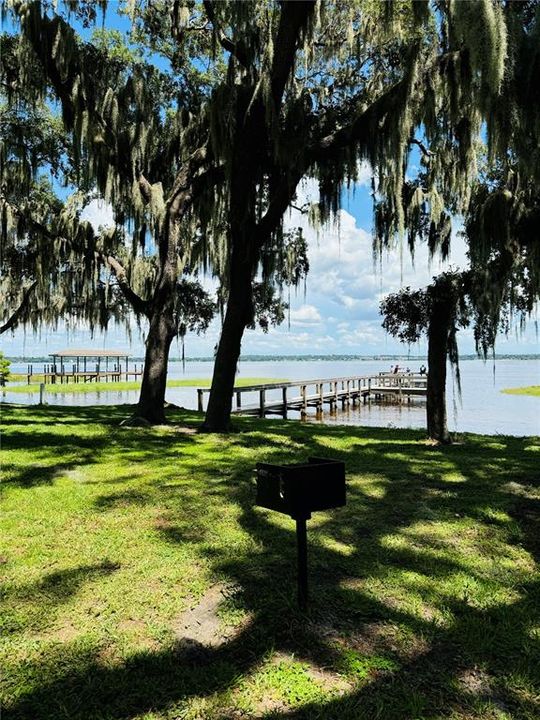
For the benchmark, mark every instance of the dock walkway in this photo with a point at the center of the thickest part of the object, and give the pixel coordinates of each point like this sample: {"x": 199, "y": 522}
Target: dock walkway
{"x": 278, "y": 398}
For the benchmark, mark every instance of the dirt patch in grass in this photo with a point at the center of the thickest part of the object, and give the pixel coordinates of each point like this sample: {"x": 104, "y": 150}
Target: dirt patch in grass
{"x": 66, "y": 633}
{"x": 474, "y": 681}
{"x": 132, "y": 626}
{"x": 179, "y": 429}
{"x": 479, "y": 684}
{"x": 202, "y": 625}
{"x": 267, "y": 707}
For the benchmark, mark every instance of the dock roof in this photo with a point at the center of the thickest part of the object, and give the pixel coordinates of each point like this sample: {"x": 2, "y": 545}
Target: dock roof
{"x": 89, "y": 353}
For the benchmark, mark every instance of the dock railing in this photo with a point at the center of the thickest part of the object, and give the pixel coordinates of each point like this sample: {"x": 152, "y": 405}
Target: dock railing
{"x": 320, "y": 391}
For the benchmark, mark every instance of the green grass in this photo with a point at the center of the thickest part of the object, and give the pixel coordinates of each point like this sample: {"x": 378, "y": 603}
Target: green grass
{"x": 425, "y": 597}
{"x": 81, "y": 388}
{"x": 530, "y": 390}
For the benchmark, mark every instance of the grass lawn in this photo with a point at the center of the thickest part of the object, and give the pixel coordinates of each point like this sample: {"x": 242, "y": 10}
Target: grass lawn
{"x": 531, "y": 390}
{"x": 78, "y": 388}
{"x": 425, "y": 588}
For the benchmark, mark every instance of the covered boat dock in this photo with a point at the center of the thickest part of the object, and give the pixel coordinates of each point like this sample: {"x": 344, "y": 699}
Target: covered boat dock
{"x": 81, "y": 365}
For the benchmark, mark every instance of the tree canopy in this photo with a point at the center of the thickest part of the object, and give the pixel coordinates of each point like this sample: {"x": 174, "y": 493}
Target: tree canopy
{"x": 198, "y": 128}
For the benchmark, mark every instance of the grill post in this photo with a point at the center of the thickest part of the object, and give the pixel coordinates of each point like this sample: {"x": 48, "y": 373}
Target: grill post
{"x": 301, "y": 542}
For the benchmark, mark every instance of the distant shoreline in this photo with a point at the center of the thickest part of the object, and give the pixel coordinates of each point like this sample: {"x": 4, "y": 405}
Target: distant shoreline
{"x": 300, "y": 358}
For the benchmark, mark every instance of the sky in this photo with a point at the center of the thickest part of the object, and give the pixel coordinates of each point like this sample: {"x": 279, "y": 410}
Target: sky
{"x": 337, "y": 313}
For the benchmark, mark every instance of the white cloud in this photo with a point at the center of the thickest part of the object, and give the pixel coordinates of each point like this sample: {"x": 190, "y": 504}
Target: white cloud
{"x": 98, "y": 213}
{"x": 349, "y": 301}
{"x": 305, "y": 315}
{"x": 365, "y": 173}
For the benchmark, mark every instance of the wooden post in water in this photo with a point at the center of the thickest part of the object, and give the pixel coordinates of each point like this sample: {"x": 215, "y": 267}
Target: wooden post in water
{"x": 262, "y": 394}
{"x": 238, "y": 399}
{"x": 41, "y": 392}
{"x": 304, "y": 400}
{"x": 200, "y": 405}
{"x": 284, "y": 399}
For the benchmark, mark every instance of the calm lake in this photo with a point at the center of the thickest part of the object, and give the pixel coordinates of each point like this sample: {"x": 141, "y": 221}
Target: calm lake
{"x": 482, "y": 409}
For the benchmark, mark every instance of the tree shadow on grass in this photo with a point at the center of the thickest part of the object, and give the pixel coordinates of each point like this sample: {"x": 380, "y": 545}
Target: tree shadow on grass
{"x": 426, "y": 683}
{"x": 457, "y": 673}
{"x": 41, "y": 600}
{"x": 453, "y": 636}
{"x": 64, "y": 415}
{"x": 35, "y": 474}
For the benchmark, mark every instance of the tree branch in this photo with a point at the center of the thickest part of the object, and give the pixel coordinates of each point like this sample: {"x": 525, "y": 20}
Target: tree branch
{"x": 360, "y": 124}
{"x": 423, "y": 148}
{"x": 181, "y": 193}
{"x": 14, "y": 318}
{"x": 280, "y": 200}
{"x": 140, "y": 306}
{"x": 191, "y": 180}
{"x": 294, "y": 17}
{"x": 145, "y": 187}
{"x": 235, "y": 49}
{"x": 41, "y": 34}
{"x": 366, "y": 121}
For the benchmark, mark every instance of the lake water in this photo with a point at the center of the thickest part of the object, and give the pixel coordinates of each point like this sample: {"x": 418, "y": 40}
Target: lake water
{"x": 483, "y": 408}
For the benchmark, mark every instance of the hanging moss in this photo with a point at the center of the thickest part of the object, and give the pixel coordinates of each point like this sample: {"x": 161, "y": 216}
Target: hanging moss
{"x": 372, "y": 73}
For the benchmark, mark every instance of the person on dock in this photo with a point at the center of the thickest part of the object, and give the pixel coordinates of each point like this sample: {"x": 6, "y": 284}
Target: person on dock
{"x": 422, "y": 370}
{"x": 396, "y": 369}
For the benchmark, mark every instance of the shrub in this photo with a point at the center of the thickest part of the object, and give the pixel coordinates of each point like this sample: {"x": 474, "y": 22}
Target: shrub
{"x": 4, "y": 369}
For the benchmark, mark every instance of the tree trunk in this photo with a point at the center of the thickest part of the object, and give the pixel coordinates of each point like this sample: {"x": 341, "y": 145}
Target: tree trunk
{"x": 244, "y": 241}
{"x": 239, "y": 313}
{"x": 152, "y": 397}
{"x": 438, "y": 332}
{"x": 162, "y": 329}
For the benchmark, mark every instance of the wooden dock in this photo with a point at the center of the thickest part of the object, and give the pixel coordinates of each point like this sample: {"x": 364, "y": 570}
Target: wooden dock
{"x": 83, "y": 366}
{"x": 60, "y": 374}
{"x": 281, "y": 397}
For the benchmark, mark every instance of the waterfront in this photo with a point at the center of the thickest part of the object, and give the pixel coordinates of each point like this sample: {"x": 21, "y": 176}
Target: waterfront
{"x": 483, "y": 409}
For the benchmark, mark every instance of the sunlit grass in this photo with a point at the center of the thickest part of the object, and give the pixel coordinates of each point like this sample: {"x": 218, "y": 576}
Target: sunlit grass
{"x": 424, "y": 588}
{"x": 530, "y": 390}
{"x": 69, "y": 388}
